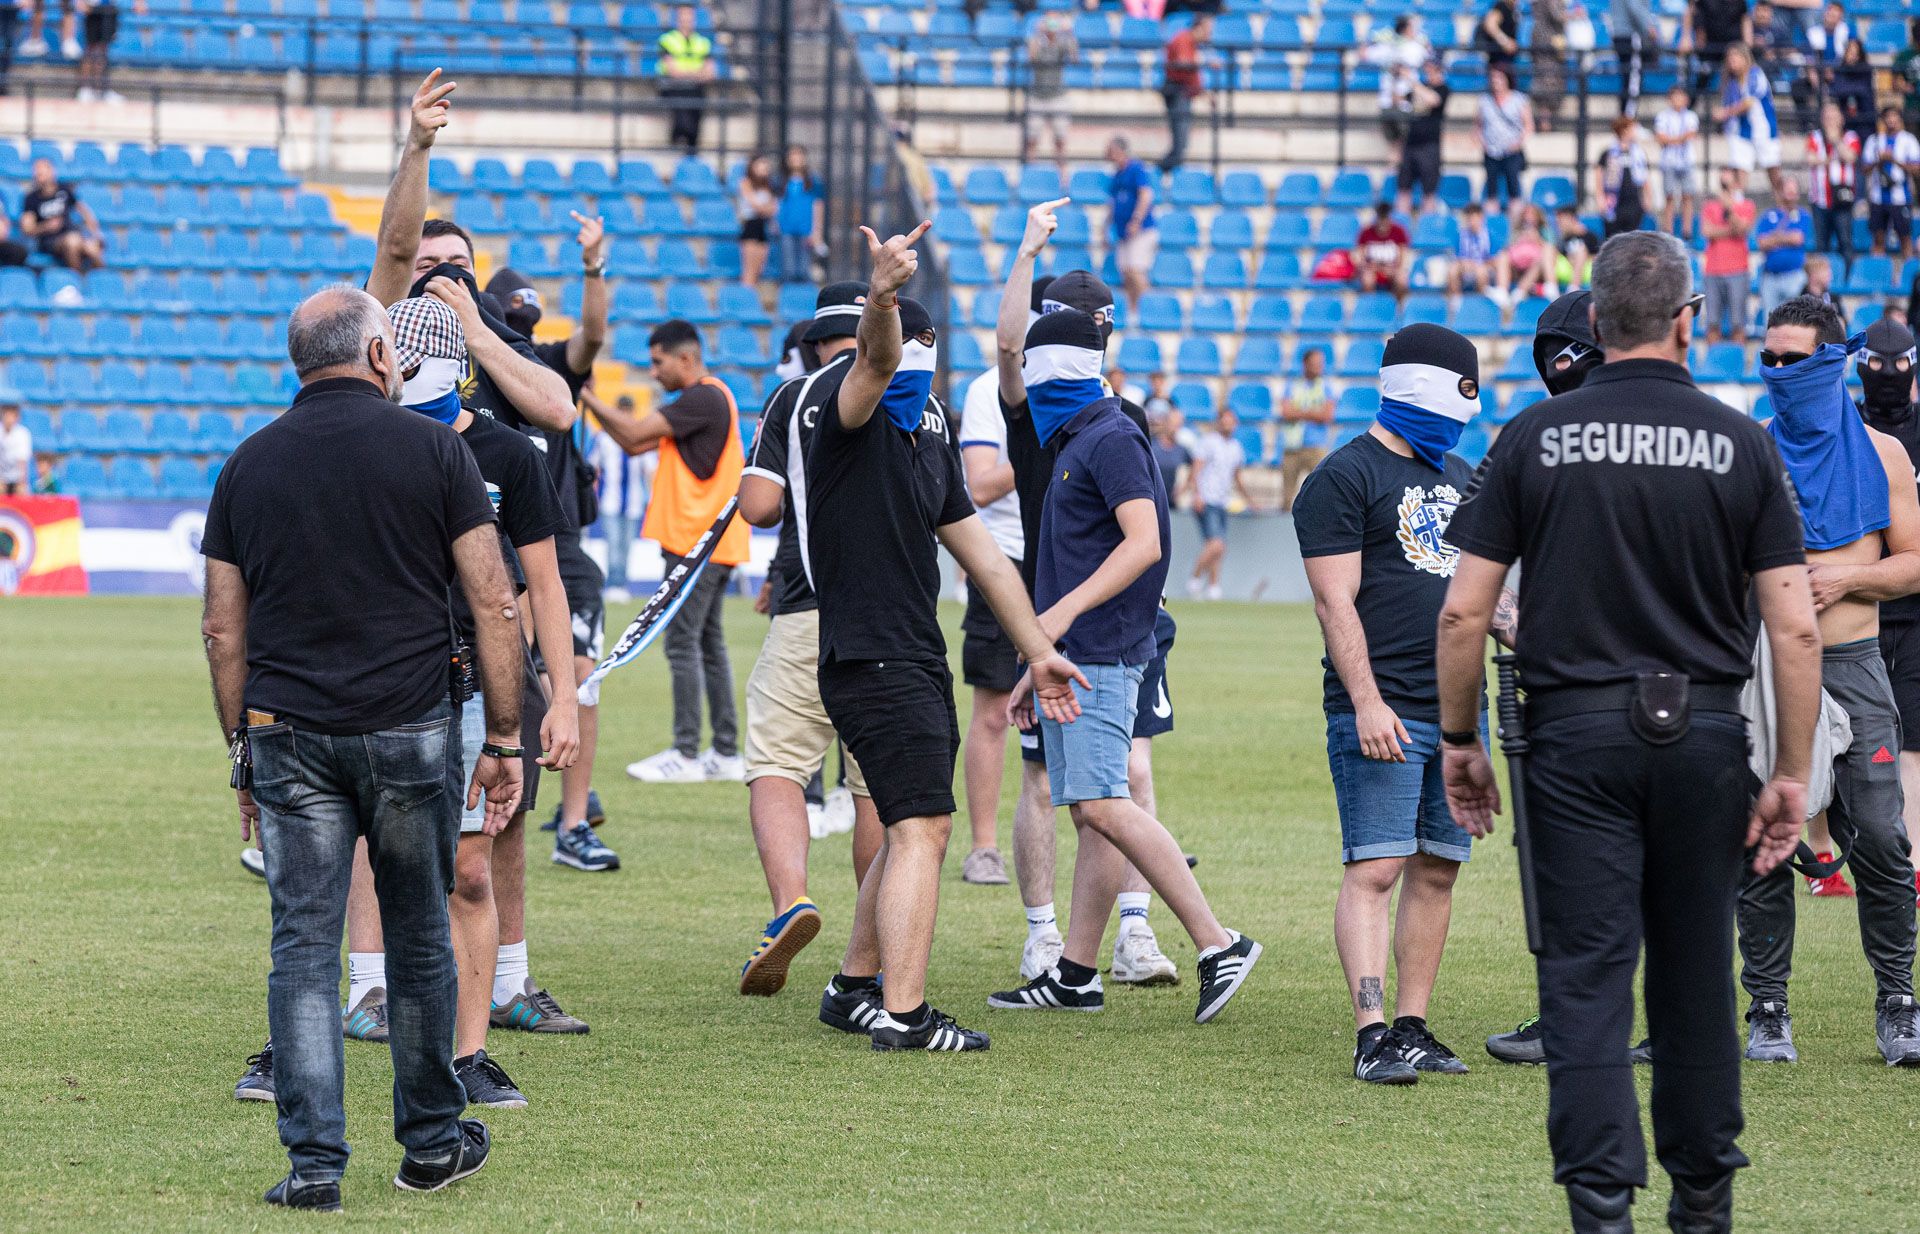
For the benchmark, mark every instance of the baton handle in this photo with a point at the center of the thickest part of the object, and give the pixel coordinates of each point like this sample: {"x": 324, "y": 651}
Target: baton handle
{"x": 1513, "y": 740}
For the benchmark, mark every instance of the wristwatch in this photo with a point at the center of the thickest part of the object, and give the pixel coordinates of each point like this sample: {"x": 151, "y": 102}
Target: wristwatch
{"x": 596, "y": 271}
{"x": 1460, "y": 737}
{"x": 494, "y": 751}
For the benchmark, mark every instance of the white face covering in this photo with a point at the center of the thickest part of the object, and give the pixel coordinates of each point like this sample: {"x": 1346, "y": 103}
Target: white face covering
{"x": 435, "y": 380}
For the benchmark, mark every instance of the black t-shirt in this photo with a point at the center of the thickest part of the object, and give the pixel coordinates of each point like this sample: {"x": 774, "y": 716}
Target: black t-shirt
{"x": 341, "y": 516}
{"x": 1424, "y": 129}
{"x": 1906, "y": 431}
{"x": 482, "y": 396}
{"x": 522, "y": 495}
{"x": 554, "y": 356}
{"x": 875, "y": 497}
{"x": 1641, "y": 507}
{"x": 1032, "y": 465}
{"x": 780, "y": 448}
{"x": 1717, "y": 23}
{"x": 700, "y": 418}
{"x": 1393, "y": 511}
{"x": 54, "y": 206}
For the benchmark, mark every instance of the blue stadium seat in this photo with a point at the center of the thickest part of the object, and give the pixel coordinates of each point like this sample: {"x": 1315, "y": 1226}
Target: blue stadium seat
{"x": 1009, "y": 223}
{"x": 1428, "y": 307}
{"x": 214, "y": 432}
{"x": 206, "y": 383}
{"x": 1171, "y": 270}
{"x": 85, "y": 476}
{"x": 1323, "y": 314}
{"x": 1298, "y": 189}
{"x": 1224, "y": 272}
{"x": 1521, "y": 400}
{"x": 1038, "y": 184}
{"x": 1198, "y": 357}
{"x": 1074, "y": 228}
{"x": 1350, "y": 190}
{"x": 1337, "y": 231}
{"x": 796, "y": 302}
{"x": 1357, "y": 405}
{"x": 1242, "y": 190}
{"x": 75, "y": 381}
{"x": 1372, "y": 314}
{"x": 1477, "y": 315}
{"x": 1552, "y": 192}
{"x": 1362, "y": 359}
{"x": 741, "y": 305}
{"x": 253, "y": 422}
{"x": 1526, "y": 316}
{"x": 1231, "y": 230}
{"x": 1193, "y": 399}
{"x": 1192, "y": 187}
{"x": 954, "y": 225}
{"x": 218, "y": 166}
{"x": 1087, "y": 186}
{"x": 689, "y": 303}
{"x": 987, "y": 186}
{"x": 967, "y": 268}
{"x": 256, "y": 386}
{"x": 1253, "y": 403}
{"x": 1518, "y": 366}
{"x": 1160, "y": 311}
{"x": 263, "y": 168}
{"x": 986, "y": 309}
{"x": 964, "y": 353}
{"x": 737, "y": 345}
{"x": 1722, "y": 362}
{"x": 641, "y": 178}
{"x": 662, "y": 217}
{"x": 126, "y": 430}
{"x": 1178, "y": 229}
{"x": 1279, "y": 272}
{"x": 120, "y": 384}
{"x": 714, "y": 217}
{"x": 1435, "y": 233}
{"x": 1870, "y": 276}
{"x": 1270, "y": 314}
{"x": 80, "y": 431}
{"x": 182, "y": 479}
{"x": 1213, "y": 314}
{"x": 541, "y": 176}
{"x": 1257, "y": 357}
{"x": 1139, "y": 354}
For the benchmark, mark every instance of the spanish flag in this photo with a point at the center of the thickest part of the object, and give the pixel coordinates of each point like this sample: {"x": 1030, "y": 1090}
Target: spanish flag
{"x": 40, "y": 547}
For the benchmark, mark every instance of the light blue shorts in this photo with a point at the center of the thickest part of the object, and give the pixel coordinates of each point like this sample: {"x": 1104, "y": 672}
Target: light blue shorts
{"x": 1087, "y": 759}
{"x": 473, "y": 735}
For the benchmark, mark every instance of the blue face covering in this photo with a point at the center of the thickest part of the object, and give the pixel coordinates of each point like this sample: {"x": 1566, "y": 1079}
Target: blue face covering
{"x": 905, "y": 400}
{"x": 445, "y": 409}
{"x": 1834, "y": 467}
{"x": 1431, "y": 435}
{"x": 1061, "y": 380}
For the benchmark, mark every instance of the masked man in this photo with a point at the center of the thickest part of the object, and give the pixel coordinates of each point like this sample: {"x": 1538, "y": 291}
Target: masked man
{"x": 1886, "y": 376}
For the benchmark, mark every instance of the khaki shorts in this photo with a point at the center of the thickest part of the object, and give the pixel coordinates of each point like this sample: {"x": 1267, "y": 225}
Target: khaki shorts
{"x": 788, "y": 733}
{"x": 1138, "y": 252}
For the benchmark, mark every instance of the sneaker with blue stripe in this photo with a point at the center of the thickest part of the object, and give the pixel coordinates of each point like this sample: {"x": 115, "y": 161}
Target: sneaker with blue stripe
{"x": 765, "y": 971}
{"x": 580, "y": 848}
{"x": 535, "y": 1011}
{"x": 935, "y": 1031}
{"x": 366, "y": 1020}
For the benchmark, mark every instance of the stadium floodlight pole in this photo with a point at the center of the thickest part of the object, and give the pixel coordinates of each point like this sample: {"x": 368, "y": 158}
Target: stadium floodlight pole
{"x": 658, "y": 612}
{"x": 1513, "y": 740}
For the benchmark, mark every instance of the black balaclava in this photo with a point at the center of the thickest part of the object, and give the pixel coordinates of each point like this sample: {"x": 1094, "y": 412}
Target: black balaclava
{"x": 521, "y": 303}
{"x": 491, "y": 310}
{"x": 1564, "y": 324}
{"x": 1889, "y": 388}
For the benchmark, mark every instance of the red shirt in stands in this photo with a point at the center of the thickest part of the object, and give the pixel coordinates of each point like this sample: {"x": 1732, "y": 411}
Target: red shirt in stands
{"x": 1381, "y": 244}
{"x": 1183, "y": 65}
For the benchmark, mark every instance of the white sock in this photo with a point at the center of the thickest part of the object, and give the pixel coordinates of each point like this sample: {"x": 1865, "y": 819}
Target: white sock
{"x": 510, "y": 972}
{"x": 1040, "y": 921}
{"x": 1233, "y": 936}
{"x": 1133, "y": 912}
{"x": 365, "y": 970}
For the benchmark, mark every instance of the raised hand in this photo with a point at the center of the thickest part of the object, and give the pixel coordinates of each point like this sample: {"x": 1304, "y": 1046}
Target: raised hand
{"x": 431, "y": 110}
{"x": 895, "y": 262}
{"x": 592, "y": 238}
{"x": 1041, "y": 222}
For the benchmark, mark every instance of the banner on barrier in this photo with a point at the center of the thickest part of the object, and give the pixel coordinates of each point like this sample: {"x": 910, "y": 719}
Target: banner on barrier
{"x": 40, "y": 547}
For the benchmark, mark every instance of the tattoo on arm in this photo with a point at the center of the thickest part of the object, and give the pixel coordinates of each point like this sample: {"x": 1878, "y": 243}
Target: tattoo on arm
{"x": 1506, "y": 618}
{"x": 1370, "y": 997}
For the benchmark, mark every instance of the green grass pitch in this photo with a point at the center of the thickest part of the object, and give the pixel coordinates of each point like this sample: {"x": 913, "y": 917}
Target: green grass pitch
{"x": 135, "y": 955}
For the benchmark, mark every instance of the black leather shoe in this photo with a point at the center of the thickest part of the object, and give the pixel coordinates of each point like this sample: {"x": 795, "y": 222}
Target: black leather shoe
{"x": 475, "y": 1144}
{"x": 1701, "y": 1209}
{"x": 1600, "y": 1210}
{"x": 319, "y": 1197}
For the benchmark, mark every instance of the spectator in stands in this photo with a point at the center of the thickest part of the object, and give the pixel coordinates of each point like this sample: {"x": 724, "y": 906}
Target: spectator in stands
{"x": 1183, "y": 84}
{"x": 1833, "y": 159}
{"x": 1636, "y": 43}
{"x": 1827, "y": 42}
{"x": 46, "y": 480}
{"x": 1820, "y": 283}
{"x": 1891, "y": 161}
{"x": 1169, "y": 450}
{"x": 685, "y": 67}
{"x": 9, "y": 35}
{"x": 61, "y": 225}
{"x": 1050, "y": 49}
{"x": 34, "y": 46}
{"x": 756, "y": 205}
{"x": 1525, "y": 266}
{"x": 1852, "y": 87}
{"x": 1506, "y": 122}
{"x": 1746, "y": 116}
{"x": 625, "y": 481}
{"x": 1123, "y": 386}
{"x": 1576, "y": 245}
{"x": 1781, "y": 238}
{"x": 1906, "y": 74}
{"x": 1212, "y": 483}
{"x": 1725, "y": 220}
{"x": 1677, "y": 130}
{"x": 1398, "y": 53}
{"x": 1472, "y": 265}
{"x": 1420, "y": 156}
{"x": 1620, "y": 179}
{"x": 12, "y": 252}
{"x": 1498, "y": 34}
{"x": 101, "y": 23}
{"x": 16, "y": 448}
{"x": 1708, "y": 28}
{"x": 1383, "y": 258}
{"x": 802, "y": 219}
{"x": 1130, "y": 220}
{"x": 1157, "y": 402}
{"x": 1548, "y": 45}
{"x": 1306, "y": 411}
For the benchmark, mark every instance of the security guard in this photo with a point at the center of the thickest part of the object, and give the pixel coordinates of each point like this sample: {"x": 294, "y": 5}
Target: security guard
{"x": 685, "y": 67}
{"x": 1645, "y": 511}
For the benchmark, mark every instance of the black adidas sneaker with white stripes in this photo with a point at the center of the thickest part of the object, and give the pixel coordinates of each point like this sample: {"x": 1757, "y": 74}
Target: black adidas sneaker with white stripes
{"x": 935, "y": 1031}
{"x": 1221, "y": 973}
{"x": 850, "y": 1011}
{"x": 1049, "y": 992}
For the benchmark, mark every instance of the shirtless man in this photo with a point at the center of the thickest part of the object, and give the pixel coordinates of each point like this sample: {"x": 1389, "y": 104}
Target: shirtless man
{"x": 1862, "y": 518}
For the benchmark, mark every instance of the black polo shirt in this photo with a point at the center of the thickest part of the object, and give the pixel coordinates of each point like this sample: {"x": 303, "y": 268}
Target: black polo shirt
{"x": 1641, "y": 507}
{"x": 522, "y": 496}
{"x": 1103, "y": 462}
{"x": 341, "y": 516}
{"x": 876, "y": 495}
{"x": 780, "y": 448}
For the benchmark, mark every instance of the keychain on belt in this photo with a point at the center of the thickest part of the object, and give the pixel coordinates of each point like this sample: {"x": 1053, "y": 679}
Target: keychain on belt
{"x": 240, "y": 754}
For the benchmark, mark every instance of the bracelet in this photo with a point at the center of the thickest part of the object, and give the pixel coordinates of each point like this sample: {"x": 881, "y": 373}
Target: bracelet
{"x": 894, "y": 304}
{"x": 494, "y": 751}
{"x": 594, "y": 272}
{"x": 1460, "y": 737}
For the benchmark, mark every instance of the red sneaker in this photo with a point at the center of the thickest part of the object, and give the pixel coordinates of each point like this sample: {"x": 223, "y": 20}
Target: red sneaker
{"x": 1835, "y": 885}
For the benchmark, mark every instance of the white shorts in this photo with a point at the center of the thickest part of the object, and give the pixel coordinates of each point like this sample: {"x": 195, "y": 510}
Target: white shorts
{"x": 1048, "y": 116}
{"x": 1762, "y": 153}
{"x": 1137, "y": 253}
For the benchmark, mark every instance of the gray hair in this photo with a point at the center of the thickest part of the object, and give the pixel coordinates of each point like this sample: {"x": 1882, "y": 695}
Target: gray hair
{"x": 1640, "y": 279}
{"x": 332, "y": 328}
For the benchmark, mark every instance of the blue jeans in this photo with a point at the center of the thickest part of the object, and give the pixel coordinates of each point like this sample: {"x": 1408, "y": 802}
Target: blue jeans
{"x": 619, "y": 543}
{"x": 1213, "y": 522}
{"x": 796, "y": 258}
{"x": 1392, "y": 809}
{"x": 317, "y": 795}
{"x": 1087, "y": 759}
{"x": 1503, "y": 177}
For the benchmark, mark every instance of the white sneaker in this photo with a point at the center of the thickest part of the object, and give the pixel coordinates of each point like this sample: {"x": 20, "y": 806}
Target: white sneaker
{"x": 667, "y": 767}
{"x": 718, "y": 766}
{"x": 816, "y": 821}
{"x": 1041, "y": 953}
{"x": 113, "y": 98}
{"x": 618, "y": 595}
{"x": 32, "y": 47}
{"x": 1194, "y": 587}
{"x": 87, "y": 94}
{"x": 838, "y": 812}
{"x": 70, "y": 48}
{"x": 254, "y": 861}
{"x": 1213, "y": 592}
{"x": 1138, "y": 960}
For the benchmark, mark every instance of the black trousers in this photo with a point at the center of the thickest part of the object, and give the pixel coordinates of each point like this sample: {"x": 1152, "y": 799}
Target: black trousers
{"x": 690, "y": 101}
{"x": 1636, "y": 843}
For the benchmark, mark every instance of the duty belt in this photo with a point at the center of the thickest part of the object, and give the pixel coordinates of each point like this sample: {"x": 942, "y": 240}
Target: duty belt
{"x": 1546, "y": 706}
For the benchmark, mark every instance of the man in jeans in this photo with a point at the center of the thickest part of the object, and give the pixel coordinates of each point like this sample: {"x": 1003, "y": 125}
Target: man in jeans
{"x": 1182, "y": 86}
{"x": 345, "y": 507}
{"x": 698, "y": 437}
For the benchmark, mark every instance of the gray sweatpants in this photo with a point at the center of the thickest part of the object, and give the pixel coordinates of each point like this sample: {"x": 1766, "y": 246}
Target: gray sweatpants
{"x": 1866, "y": 821}
{"x": 696, "y": 647}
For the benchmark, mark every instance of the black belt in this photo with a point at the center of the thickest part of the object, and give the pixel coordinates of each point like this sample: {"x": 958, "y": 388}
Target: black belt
{"x": 1546, "y": 706}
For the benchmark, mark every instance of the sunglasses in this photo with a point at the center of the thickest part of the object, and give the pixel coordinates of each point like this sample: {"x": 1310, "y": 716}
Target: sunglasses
{"x": 1782, "y": 359}
{"x": 1693, "y": 302}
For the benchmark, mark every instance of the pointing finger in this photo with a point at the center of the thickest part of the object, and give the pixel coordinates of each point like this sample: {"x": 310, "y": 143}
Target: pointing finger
{"x": 913, "y": 237}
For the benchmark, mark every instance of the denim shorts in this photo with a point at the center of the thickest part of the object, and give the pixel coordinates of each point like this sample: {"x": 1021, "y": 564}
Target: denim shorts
{"x": 1392, "y": 809}
{"x": 1213, "y": 522}
{"x": 1087, "y": 759}
{"x": 473, "y": 735}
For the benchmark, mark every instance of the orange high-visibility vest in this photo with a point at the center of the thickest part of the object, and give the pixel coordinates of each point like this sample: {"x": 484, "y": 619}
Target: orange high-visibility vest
{"x": 683, "y": 506}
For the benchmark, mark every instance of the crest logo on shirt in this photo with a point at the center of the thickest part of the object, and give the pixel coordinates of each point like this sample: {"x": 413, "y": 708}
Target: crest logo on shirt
{"x": 1424, "y": 516}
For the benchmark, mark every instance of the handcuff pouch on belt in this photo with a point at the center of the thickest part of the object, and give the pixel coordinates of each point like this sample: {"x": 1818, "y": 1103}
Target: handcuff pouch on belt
{"x": 1659, "y": 712}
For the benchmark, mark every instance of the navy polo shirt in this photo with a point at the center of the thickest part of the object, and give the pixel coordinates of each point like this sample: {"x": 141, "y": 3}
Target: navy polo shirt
{"x": 1104, "y": 460}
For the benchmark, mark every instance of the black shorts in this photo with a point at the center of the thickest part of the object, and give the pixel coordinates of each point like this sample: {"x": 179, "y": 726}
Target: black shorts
{"x": 753, "y": 229}
{"x": 1154, "y": 714}
{"x": 1890, "y": 224}
{"x": 533, "y": 710}
{"x": 584, "y": 583}
{"x": 1420, "y": 165}
{"x": 1900, "y": 648}
{"x": 49, "y": 242}
{"x": 897, "y": 720}
{"x": 988, "y": 658}
{"x": 102, "y": 24}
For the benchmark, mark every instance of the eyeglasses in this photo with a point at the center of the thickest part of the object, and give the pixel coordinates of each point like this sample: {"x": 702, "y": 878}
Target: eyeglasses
{"x": 1782, "y": 359}
{"x": 1693, "y": 302}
